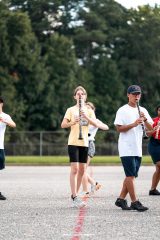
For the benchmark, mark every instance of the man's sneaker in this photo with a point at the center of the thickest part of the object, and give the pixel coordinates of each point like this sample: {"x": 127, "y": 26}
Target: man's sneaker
{"x": 95, "y": 187}
{"x": 154, "y": 192}
{"x": 77, "y": 202}
{"x": 122, "y": 203}
{"x": 2, "y": 197}
{"x": 137, "y": 205}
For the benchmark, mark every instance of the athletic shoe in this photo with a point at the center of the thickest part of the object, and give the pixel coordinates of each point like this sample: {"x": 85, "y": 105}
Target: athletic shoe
{"x": 2, "y": 197}
{"x": 77, "y": 202}
{"x": 154, "y": 192}
{"x": 137, "y": 205}
{"x": 95, "y": 187}
{"x": 83, "y": 194}
{"x": 122, "y": 203}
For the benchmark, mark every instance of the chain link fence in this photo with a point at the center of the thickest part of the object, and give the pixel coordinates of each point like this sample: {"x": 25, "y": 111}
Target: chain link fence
{"x": 46, "y": 143}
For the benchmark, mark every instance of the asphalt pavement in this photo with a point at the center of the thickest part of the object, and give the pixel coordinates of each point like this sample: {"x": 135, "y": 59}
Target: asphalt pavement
{"x": 38, "y": 206}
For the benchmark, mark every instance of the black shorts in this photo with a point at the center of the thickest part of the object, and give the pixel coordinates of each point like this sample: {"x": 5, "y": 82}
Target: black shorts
{"x": 2, "y": 159}
{"x": 78, "y": 153}
{"x": 131, "y": 165}
{"x": 154, "y": 149}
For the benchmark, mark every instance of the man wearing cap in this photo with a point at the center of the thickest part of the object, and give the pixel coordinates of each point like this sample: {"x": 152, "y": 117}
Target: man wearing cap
{"x": 5, "y": 119}
{"x": 130, "y": 123}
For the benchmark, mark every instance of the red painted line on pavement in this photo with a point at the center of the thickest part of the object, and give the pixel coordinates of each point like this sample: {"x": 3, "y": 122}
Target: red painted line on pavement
{"x": 79, "y": 223}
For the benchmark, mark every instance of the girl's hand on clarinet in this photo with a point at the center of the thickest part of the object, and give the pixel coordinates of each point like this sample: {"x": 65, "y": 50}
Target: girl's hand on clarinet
{"x": 83, "y": 114}
{"x": 76, "y": 119}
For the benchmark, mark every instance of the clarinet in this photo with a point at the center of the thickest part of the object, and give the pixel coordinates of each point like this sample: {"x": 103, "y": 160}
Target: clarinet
{"x": 144, "y": 132}
{"x": 80, "y": 118}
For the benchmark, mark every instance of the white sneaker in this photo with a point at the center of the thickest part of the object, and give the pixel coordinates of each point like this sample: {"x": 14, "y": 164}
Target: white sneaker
{"x": 77, "y": 202}
{"x": 83, "y": 194}
{"x": 95, "y": 187}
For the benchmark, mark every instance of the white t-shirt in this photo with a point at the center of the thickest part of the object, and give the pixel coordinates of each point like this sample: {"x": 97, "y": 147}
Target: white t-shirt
{"x": 3, "y": 128}
{"x": 130, "y": 142}
{"x": 92, "y": 132}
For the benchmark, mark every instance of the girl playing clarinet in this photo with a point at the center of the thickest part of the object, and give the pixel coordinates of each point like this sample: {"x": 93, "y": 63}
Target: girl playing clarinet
{"x": 78, "y": 118}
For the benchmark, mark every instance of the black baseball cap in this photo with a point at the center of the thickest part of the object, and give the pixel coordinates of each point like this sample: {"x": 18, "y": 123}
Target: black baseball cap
{"x": 134, "y": 89}
{"x": 1, "y": 100}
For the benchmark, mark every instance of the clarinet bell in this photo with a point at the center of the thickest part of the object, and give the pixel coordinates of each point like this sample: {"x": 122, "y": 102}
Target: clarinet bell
{"x": 80, "y": 138}
{"x": 145, "y": 137}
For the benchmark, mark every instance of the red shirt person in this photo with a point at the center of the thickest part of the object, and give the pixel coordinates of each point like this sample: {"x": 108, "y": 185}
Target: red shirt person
{"x": 154, "y": 151}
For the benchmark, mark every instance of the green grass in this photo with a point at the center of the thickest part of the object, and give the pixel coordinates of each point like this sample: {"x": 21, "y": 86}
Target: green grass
{"x": 63, "y": 160}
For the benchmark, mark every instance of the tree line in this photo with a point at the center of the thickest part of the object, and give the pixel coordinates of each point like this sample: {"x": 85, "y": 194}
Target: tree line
{"x": 48, "y": 47}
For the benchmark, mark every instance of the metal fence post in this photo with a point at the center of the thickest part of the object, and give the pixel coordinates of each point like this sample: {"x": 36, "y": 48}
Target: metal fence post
{"x": 41, "y": 144}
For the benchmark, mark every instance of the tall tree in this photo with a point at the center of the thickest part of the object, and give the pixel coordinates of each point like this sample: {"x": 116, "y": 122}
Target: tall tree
{"x": 101, "y": 24}
{"x": 62, "y": 69}
{"x": 22, "y": 68}
{"x": 137, "y": 52}
{"x": 109, "y": 90}
{"x": 44, "y": 15}
{"x": 7, "y": 80}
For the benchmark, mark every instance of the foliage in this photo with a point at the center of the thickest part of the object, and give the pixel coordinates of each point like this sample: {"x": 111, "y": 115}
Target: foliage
{"x": 48, "y": 47}
{"x": 62, "y": 67}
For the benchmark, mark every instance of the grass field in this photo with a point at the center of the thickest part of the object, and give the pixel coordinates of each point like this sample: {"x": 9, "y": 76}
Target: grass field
{"x": 63, "y": 160}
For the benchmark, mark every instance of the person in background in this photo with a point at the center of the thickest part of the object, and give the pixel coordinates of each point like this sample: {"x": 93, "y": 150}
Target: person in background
{"x": 5, "y": 120}
{"x": 78, "y": 118}
{"x": 130, "y": 123}
{"x": 91, "y": 152}
{"x": 154, "y": 151}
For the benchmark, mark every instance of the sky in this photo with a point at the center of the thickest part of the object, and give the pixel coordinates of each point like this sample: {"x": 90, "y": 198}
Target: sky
{"x": 135, "y": 3}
